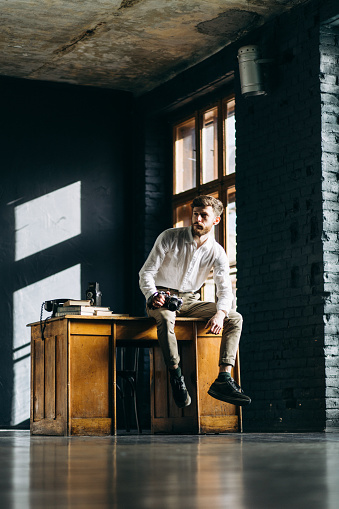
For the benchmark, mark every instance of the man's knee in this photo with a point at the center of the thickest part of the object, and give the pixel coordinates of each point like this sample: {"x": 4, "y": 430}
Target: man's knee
{"x": 234, "y": 318}
{"x": 164, "y": 318}
{"x": 234, "y": 315}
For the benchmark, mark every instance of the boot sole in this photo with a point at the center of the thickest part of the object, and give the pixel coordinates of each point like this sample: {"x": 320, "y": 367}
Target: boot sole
{"x": 228, "y": 399}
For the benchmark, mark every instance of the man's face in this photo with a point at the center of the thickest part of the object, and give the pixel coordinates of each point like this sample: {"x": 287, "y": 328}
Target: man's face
{"x": 203, "y": 220}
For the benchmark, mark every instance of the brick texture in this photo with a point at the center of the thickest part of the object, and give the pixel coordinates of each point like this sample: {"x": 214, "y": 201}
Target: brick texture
{"x": 329, "y": 61}
{"x": 158, "y": 181}
{"x": 279, "y": 232}
{"x": 154, "y": 179}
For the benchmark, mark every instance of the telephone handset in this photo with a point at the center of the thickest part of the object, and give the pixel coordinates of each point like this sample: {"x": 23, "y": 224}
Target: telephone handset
{"x": 52, "y": 305}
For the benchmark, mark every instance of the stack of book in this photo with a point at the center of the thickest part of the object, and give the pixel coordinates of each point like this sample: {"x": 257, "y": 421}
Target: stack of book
{"x": 82, "y": 307}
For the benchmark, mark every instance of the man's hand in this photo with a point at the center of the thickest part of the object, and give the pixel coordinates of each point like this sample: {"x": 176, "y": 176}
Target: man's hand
{"x": 159, "y": 300}
{"x": 216, "y": 323}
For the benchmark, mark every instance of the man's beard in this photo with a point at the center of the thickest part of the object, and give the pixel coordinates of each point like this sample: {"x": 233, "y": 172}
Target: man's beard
{"x": 199, "y": 230}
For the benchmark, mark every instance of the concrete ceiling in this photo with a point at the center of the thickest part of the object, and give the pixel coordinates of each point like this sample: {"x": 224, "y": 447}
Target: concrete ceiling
{"x": 131, "y": 45}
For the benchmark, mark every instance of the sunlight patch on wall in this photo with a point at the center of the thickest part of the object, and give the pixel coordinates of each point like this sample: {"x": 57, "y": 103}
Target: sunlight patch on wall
{"x": 47, "y": 221}
{"x": 26, "y": 309}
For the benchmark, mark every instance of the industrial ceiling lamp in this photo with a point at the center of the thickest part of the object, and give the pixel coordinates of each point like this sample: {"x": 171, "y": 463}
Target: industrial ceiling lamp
{"x": 251, "y": 78}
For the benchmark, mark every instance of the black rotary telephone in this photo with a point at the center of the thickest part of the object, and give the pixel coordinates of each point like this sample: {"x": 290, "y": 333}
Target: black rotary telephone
{"x": 52, "y": 305}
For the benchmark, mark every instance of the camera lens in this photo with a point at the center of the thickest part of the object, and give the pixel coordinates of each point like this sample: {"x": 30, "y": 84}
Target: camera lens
{"x": 172, "y": 304}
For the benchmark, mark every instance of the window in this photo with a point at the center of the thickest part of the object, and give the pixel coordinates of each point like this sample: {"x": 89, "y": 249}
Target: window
{"x": 209, "y": 146}
{"x": 204, "y": 163}
{"x": 185, "y": 157}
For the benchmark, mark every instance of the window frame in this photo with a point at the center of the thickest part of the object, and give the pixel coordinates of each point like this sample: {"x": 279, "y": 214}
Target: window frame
{"x": 224, "y": 182}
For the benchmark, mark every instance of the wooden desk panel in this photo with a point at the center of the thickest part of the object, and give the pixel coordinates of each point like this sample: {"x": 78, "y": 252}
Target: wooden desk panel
{"x": 72, "y": 381}
{"x": 214, "y": 415}
{"x": 49, "y": 413}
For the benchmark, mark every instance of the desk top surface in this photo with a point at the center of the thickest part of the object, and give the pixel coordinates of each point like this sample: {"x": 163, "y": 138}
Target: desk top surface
{"x": 114, "y": 318}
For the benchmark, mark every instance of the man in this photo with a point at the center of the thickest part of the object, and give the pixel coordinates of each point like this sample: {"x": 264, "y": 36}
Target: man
{"x": 179, "y": 263}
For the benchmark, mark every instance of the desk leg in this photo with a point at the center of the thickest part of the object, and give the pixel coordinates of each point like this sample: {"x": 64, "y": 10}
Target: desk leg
{"x": 114, "y": 379}
{"x": 49, "y": 380}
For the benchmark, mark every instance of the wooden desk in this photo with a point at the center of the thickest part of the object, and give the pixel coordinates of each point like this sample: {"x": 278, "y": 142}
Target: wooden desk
{"x": 73, "y": 377}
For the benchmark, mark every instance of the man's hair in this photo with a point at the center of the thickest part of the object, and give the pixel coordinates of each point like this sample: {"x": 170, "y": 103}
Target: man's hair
{"x": 208, "y": 201}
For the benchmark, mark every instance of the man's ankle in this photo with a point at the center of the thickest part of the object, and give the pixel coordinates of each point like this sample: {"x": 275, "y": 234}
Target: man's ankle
{"x": 175, "y": 372}
{"x": 224, "y": 375}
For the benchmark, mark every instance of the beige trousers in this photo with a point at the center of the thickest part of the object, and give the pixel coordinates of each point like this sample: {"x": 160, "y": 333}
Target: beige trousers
{"x": 195, "y": 308}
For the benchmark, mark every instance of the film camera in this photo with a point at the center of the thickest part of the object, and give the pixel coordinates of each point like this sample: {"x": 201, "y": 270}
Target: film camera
{"x": 94, "y": 294}
{"x": 172, "y": 302}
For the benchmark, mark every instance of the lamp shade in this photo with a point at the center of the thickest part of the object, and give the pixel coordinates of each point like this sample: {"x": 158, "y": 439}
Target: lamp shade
{"x": 250, "y": 72}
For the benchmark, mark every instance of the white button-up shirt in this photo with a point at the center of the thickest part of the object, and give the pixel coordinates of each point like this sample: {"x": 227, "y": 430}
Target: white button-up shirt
{"x": 176, "y": 262}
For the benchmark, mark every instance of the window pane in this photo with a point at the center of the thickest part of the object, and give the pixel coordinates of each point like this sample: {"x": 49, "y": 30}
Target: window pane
{"x": 185, "y": 157}
{"x": 233, "y": 276}
{"x": 208, "y": 291}
{"x": 183, "y": 216}
{"x": 231, "y": 217}
{"x": 230, "y": 137}
{"x": 216, "y": 229}
{"x": 209, "y": 140}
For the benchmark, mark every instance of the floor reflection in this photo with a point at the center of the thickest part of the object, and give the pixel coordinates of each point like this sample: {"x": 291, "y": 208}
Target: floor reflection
{"x": 122, "y": 472}
{"x": 246, "y": 471}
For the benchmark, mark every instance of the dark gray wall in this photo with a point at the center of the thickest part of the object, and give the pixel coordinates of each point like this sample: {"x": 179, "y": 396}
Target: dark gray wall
{"x": 279, "y": 226}
{"x": 51, "y": 137}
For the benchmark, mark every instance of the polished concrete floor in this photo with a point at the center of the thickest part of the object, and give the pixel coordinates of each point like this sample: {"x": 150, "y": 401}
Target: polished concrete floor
{"x": 238, "y": 471}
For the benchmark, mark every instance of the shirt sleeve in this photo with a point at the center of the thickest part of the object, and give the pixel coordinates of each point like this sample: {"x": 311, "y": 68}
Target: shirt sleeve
{"x": 221, "y": 276}
{"x": 152, "y": 265}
